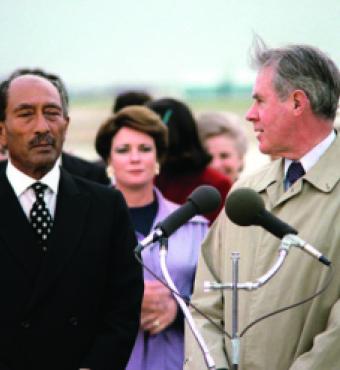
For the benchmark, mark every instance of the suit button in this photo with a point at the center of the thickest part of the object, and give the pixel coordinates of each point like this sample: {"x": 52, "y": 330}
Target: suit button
{"x": 26, "y": 324}
{"x": 73, "y": 321}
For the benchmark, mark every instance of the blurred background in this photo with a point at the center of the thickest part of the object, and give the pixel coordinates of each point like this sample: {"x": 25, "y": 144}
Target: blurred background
{"x": 195, "y": 50}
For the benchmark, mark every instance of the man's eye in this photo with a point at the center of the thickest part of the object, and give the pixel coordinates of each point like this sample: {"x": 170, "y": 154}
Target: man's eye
{"x": 52, "y": 113}
{"x": 24, "y": 114}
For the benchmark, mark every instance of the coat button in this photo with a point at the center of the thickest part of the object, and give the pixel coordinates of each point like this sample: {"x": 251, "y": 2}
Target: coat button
{"x": 26, "y": 324}
{"x": 73, "y": 321}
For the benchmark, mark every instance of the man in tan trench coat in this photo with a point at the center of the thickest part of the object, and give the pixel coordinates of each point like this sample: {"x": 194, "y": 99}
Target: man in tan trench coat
{"x": 295, "y": 101}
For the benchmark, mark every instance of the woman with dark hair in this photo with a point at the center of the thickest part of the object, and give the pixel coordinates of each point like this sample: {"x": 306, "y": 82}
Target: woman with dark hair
{"x": 133, "y": 142}
{"x": 186, "y": 164}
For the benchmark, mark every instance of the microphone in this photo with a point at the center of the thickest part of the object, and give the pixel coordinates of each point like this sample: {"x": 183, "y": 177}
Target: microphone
{"x": 245, "y": 207}
{"x": 203, "y": 199}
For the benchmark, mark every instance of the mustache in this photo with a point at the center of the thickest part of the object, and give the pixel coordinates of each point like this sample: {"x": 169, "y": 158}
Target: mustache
{"x": 43, "y": 138}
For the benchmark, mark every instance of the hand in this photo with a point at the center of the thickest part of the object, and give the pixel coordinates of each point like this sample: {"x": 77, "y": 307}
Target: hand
{"x": 159, "y": 308}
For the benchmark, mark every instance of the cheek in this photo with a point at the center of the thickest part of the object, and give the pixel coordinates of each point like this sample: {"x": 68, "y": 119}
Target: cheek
{"x": 118, "y": 163}
{"x": 151, "y": 163}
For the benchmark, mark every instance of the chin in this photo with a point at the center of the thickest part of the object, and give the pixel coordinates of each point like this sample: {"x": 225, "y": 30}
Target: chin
{"x": 45, "y": 161}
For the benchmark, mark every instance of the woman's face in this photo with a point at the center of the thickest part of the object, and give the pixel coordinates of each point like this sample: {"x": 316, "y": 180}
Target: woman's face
{"x": 133, "y": 159}
{"x": 225, "y": 157}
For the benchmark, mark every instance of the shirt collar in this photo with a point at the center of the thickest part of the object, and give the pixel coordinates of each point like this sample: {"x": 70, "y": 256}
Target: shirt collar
{"x": 20, "y": 181}
{"x": 310, "y": 158}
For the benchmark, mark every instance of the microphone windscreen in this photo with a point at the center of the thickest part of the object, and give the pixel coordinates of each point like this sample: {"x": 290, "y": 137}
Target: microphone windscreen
{"x": 243, "y": 206}
{"x": 202, "y": 200}
{"x": 206, "y": 198}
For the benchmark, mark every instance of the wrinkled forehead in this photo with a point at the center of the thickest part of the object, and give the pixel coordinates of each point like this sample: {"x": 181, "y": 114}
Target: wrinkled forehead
{"x": 30, "y": 89}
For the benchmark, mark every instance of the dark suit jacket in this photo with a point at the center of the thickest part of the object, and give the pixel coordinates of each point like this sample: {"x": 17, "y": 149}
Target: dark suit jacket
{"x": 78, "y": 304}
{"x": 81, "y": 167}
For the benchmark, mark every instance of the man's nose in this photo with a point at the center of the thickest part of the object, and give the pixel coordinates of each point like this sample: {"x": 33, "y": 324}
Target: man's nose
{"x": 252, "y": 114}
{"x": 41, "y": 124}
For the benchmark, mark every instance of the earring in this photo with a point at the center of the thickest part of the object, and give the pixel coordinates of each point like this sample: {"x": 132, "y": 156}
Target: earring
{"x": 157, "y": 168}
{"x": 111, "y": 174}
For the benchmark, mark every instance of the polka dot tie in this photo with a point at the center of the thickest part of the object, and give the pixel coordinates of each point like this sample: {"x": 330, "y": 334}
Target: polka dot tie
{"x": 40, "y": 216}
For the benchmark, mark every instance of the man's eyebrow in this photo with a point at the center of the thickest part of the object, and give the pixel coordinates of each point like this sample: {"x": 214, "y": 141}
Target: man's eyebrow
{"x": 23, "y": 106}
{"x": 53, "y": 105}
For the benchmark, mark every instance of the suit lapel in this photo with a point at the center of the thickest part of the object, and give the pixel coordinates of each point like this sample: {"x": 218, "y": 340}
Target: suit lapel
{"x": 69, "y": 222}
{"x": 16, "y": 231}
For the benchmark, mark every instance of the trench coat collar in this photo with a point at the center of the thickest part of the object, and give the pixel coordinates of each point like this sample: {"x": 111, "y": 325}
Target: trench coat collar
{"x": 323, "y": 176}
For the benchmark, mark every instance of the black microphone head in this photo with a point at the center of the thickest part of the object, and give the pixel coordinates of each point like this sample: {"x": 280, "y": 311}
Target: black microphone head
{"x": 243, "y": 206}
{"x": 202, "y": 200}
{"x": 205, "y": 198}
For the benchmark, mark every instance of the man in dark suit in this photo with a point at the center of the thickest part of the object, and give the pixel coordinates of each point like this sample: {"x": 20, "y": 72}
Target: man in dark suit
{"x": 70, "y": 291}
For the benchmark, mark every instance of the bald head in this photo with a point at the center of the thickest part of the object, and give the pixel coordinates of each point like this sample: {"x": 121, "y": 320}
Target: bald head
{"x": 52, "y": 78}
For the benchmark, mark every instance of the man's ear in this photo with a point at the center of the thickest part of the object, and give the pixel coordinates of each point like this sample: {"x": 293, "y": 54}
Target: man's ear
{"x": 67, "y": 121}
{"x": 300, "y": 102}
{"x": 3, "y": 136}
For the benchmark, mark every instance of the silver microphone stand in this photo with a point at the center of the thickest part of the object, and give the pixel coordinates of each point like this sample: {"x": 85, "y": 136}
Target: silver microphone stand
{"x": 163, "y": 249}
{"x": 234, "y": 286}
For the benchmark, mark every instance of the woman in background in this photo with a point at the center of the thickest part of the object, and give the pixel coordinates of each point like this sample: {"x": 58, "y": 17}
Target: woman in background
{"x": 186, "y": 164}
{"x": 133, "y": 143}
{"x": 225, "y": 140}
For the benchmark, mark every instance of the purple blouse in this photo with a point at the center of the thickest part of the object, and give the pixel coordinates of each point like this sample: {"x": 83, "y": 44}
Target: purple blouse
{"x": 164, "y": 351}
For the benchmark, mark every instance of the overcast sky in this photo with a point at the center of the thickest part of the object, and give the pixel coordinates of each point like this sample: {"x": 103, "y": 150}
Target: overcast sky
{"x": 101, "y": 42}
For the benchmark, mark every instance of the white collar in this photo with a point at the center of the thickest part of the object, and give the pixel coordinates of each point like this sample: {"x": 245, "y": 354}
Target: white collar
{"x": 20, "y": 181}
{"x": 310, "y": 158}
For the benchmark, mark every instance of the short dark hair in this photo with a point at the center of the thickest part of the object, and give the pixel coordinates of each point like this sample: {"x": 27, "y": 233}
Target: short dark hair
{"x": 54, "y": 79}
{"x": 185, "y": 152}
{"x": 302, "y": 67}
{"x": 132, "y": 97}
{"x": 139, "y": 118}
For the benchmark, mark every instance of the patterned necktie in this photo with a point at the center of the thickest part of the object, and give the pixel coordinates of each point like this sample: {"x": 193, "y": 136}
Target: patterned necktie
{"x": 295, "y": 171}
{"x": 40, "y": 216}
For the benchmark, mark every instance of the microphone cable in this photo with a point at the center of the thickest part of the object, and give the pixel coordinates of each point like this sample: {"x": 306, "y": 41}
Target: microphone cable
{"x": 253, "y": 323}
{"x": 185, "y": 298}
{"x": 294, "y": 305}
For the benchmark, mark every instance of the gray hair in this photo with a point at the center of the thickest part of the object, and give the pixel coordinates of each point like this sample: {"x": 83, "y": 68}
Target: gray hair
{"x": 305, "y": 68}
{"x": 223, "y": 123}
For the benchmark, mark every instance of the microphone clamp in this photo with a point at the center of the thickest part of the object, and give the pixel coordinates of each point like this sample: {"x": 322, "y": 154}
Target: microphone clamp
{"x": 293, "y": 240}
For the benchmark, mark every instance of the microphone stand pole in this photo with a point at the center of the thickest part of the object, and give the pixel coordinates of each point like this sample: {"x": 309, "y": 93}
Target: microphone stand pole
{"x": 235, "y": 339}
{"x": 163, "y": 249}
{"x": 234, "y": 286}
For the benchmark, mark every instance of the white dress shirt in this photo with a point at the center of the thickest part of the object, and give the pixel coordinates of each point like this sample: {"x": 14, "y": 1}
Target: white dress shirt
{"x": 21, "y": 184}
{"x": 310, "y": 158}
